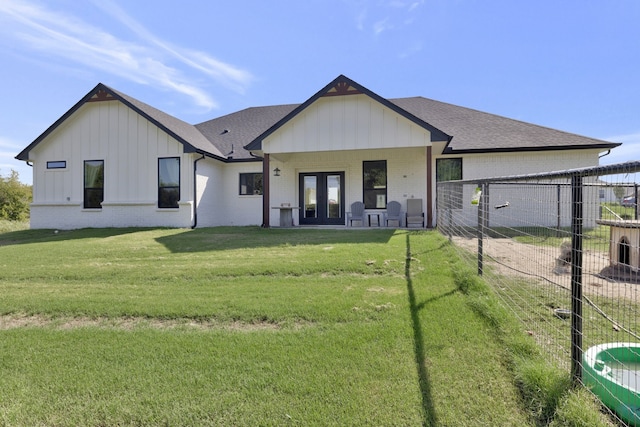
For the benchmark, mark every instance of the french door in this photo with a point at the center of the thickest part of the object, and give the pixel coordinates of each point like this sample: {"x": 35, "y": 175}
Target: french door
{"x": 321, "y": 198}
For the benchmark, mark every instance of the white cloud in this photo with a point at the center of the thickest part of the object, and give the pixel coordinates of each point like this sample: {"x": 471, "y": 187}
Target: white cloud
{"x": 150, "y": 60}
{"x": 386, "y": 15}
{"x": 415, "y": 5}
{"x": 411, "y": 49}
{"x": 381, "y": 26}
{"x": 226, "y": 74}
{"x": 7, "y": 143}
{"x": 361, "y": 18}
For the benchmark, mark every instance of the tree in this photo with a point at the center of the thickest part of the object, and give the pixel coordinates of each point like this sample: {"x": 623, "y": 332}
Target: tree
{"x": 619, "y": 192}
{"x": 15, "y": 198}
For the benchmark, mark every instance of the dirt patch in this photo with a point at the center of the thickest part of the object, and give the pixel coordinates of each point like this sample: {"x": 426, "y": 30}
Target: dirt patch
{"x": 13, "y": 321}
{"x": 511, "y": 258}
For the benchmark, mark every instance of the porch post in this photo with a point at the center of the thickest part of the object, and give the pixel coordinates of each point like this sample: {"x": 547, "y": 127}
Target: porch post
{"x": 429, "y": 190}
{"x": 265, "y": 191}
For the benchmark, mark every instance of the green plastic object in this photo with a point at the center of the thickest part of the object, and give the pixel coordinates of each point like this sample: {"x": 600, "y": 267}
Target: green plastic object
{"x": 612, "y": 372}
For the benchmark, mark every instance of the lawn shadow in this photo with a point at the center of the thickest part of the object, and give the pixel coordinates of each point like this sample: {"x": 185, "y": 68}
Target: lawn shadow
{"x": 430, "y": 417}
{"x": 228, "y": 238}
{"x": 24, "y": 237}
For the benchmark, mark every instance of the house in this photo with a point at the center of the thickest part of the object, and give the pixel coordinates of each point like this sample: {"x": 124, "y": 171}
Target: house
{"x": 113, "y": 161}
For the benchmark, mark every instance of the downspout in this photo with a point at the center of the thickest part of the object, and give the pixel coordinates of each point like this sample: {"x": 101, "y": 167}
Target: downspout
{"x": 195, "y": 192}
{"x": 265, "y": 191}
{"x": 605, "y": 154}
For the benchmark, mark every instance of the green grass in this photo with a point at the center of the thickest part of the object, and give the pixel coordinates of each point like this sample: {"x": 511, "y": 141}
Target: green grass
{"x": 625, "y": 212}
{"x": 246, "y": 326}
{"x": 8, "y": 226}
{"x": 547, "y": 390}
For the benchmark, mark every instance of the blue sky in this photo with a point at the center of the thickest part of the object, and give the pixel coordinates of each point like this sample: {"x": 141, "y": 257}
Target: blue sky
{"x": 572, "y": 65}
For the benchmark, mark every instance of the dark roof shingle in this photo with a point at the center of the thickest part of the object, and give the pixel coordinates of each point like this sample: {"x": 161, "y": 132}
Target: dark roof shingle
{"x": 232, "y": 132}
{"x": 477, "y": 131}
{"x": 184, "y": 131}
{"x": 472, "y": 131}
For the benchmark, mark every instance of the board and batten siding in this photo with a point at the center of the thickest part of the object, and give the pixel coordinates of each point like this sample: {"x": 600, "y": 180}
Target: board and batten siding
{"x": 354, "y": 122}
{"x": 130, "y": 146}
{"x": 406, "y": 175}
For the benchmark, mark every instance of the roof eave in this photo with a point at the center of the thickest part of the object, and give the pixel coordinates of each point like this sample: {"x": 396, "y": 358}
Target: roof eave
{"x": 187, "y": 147}
{"x": 605, "y": 146}
{"x": 24, "y": 154}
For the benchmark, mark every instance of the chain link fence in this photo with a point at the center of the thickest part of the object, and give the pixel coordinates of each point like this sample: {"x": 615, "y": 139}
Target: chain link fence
{"x": 562, "y": 252}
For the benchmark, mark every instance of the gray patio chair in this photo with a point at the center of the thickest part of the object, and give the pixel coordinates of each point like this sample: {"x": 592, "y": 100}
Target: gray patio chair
{"x": 356, "y": 214}
{"x": 415, "y": 214}
{"x": 393, "y": 213}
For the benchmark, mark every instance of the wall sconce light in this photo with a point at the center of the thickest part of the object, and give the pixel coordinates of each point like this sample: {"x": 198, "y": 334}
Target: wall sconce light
{"x": 276, "y": 172}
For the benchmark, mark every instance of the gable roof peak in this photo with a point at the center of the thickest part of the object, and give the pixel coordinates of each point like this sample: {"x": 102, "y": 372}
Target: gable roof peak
{"x": 185, "y": 133}
{"x": 343, "y": 86}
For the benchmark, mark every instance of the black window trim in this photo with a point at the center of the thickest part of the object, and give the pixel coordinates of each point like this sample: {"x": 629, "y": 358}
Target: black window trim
{"x": 240, "y": 184}
{"x": 85, "y": 188}
{"x": 56, "y": 164}
{"x": 386, "y": 184}
{"x": 440, "y": 160}
{"x": 160, "y": 188}
{"x": 456, "y": 191}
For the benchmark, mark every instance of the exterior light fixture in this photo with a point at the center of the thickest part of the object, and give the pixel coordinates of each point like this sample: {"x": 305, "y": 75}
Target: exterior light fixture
{"x": 276, "y": 172}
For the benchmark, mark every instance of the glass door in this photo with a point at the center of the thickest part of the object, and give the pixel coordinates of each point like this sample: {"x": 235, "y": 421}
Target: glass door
{"x": 310, "y": 200}
{"x": 322, "y": 198}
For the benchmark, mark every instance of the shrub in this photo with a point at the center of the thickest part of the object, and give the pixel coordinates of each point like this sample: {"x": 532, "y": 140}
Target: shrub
{"x": 15, "y": 198}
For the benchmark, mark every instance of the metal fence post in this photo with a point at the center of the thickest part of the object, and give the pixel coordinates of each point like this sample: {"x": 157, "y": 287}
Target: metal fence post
{"x": 635, "y": 194}
{"x": 558, "y": 207}
{"x": 576, "y": 277}
{"x": 483, "y": 221}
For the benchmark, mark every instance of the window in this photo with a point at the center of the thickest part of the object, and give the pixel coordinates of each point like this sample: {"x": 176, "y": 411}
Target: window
{"x": 250, "y": 183}
{"x": 168, "y": 182}
{"x": 59, "y": 164}
{"x": 93, "y": 184}
{"x": 450, "y": 170}
{"x": 374, "y": 184}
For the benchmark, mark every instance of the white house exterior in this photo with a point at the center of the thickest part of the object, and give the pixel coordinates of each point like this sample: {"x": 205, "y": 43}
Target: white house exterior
{"x": 113, "y": 161}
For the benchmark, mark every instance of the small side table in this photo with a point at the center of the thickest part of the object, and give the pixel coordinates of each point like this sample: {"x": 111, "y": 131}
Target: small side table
{"x": 286, "y": 215}
{"x": 376, "y": 214}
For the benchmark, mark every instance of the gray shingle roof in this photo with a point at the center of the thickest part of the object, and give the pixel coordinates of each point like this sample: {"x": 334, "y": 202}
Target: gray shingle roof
{"x": 185, "y": 132}
{"x": 339, "y": 86}
{"x": 465, "y": 130}
{"x": 233, "y": 131}
{"x": 471, "y": 130}
{"x": 477, "y": 131}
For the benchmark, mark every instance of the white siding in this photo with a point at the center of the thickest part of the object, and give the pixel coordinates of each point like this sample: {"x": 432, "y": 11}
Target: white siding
{"x": 528, "y": 205}
{"x": 504, "y": 164}
{"x": 406, "y": 175}
{"x": 354, "y": 122}
{"x": 219, "y": 201}
{"x": 130, "y": 146}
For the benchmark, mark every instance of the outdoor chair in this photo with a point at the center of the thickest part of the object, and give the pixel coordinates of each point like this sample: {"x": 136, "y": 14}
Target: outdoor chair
{"x": 415, "y": 214}
{"x": 356, "y": 214}
{"x": 393, "y": 213}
